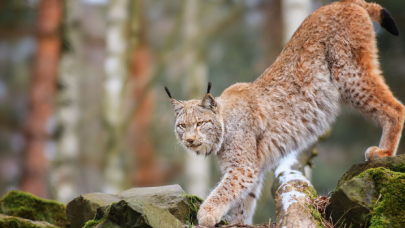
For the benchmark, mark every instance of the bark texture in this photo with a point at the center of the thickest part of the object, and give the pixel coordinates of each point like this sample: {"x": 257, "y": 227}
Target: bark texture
{"x": 148, "y": 171}
{"x": 65, "y": 169}
{"x": 293, "y": 193}
{"x": 116, "y": 71}
{"x": 40, "y": 101}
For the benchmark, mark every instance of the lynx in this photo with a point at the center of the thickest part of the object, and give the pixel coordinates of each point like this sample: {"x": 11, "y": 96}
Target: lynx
{"x": 331, "y": 59}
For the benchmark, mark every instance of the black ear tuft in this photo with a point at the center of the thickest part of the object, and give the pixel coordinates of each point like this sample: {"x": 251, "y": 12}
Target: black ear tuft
{"x": 209, "y": 87}
{"x": 168, "y": 92}
{"x": 388, "y": 22}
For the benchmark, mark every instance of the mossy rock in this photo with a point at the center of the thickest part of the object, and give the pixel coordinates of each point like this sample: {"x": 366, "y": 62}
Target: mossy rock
{"x": 100, "y": 218}
{"x": 15, "y": 222}
{"x": 26, "y": 205}
{"x": 375, "y": 197}
{"x": 395, "y": 163}
{"x": 172, "y": 197}
{"x": 134, "y": 214}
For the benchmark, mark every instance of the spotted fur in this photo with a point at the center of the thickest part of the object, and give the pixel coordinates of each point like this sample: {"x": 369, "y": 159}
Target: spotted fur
{"x": 331, "y": 59}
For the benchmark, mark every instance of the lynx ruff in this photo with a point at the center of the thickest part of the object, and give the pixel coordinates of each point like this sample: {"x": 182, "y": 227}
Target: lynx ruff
{"x": 331, "y": 59}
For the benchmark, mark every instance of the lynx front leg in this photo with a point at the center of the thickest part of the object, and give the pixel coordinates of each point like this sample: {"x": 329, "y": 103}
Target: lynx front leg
{"x": 243, "y": 211}
{"x": 236, "y": 184}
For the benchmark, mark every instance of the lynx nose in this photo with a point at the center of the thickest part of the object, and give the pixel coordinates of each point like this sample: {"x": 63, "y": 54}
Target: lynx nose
{"x": 190, "y": 141}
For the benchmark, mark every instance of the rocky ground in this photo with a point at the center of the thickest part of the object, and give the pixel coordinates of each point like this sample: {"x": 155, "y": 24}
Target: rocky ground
{"x": 370, "y": 194}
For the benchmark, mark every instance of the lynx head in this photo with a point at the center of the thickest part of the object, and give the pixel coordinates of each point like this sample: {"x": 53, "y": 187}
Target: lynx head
{"x": 199, "y": 125}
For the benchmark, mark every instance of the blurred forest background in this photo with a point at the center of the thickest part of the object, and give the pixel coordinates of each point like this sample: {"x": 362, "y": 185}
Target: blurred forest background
{"x": 82, "y": 104}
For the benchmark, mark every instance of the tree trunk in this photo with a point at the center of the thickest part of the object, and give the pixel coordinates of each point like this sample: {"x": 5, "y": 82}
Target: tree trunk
{"x": 116, "y": 69}
{"x": 146, "y": 172}
{"x": 197, "y": 168}
{"x": 91, "y": 131}
{"x": 294, "y": 13}
{"x": 273, "y": 31}
{"x": 65, "y": 171}
{"x": 40, "y": 101}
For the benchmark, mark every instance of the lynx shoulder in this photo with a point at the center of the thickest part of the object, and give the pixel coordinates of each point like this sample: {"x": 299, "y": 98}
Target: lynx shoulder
{"x": 331, "y": 59}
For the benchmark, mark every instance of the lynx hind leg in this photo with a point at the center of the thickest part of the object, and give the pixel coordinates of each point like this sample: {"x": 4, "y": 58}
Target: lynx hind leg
{"x": 372, "y": 97}
{"x": 243, "y": 211}
{"x": 362, "y": 87}
{"x": 382, "y": 107}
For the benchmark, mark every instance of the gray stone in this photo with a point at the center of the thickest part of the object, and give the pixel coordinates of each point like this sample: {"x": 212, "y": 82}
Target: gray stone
{"x": 84, "y": 208}
{"x": 171, "y": 197}
{"x": 128, "y": 214}
{"x": 137, "y": 214}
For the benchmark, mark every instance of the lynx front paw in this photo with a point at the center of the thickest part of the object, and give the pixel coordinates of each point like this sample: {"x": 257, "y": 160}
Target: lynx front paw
{"x": 375, "y": 152}
{"x": 208, "y": 216}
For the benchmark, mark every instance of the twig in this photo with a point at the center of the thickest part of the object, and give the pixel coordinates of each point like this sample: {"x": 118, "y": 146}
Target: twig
{"x": 379, "y": 197}
{"x": 345, "y": 214}
{"x": 366, "y": 223}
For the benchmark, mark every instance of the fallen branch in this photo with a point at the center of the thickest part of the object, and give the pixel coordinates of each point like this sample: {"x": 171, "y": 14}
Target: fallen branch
{"x": 293, "y": 193}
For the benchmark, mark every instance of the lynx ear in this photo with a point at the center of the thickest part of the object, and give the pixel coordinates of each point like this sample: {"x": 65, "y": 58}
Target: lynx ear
{"x": 177, "y": 106}
{"x": 209, "y": 102}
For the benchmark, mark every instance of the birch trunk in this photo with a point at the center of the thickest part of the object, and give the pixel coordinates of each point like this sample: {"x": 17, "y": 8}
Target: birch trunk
{"x": 91, "y": 131}
{"x": 65, "y": 173}
{"x": 293, "y": 192}
{"x": 116, "y": 71}
{"x": 43, "y": 84}
{"x": 197, "y": 167}
{"x": 294, "y": 13}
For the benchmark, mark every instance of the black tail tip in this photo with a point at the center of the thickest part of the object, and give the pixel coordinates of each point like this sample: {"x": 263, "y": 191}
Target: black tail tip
{"x": 388, "y": 22}
{"x": 209, "y": 87}
{"x": 168, "y": 92}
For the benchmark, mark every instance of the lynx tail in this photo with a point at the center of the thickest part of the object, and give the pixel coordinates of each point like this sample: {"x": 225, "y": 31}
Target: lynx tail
{"x": 378, "y": 14}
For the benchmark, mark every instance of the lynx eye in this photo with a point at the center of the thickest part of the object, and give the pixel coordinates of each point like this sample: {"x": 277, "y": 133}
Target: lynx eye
{"x": 199, "y": 123}
{"x": 182, "y": 125}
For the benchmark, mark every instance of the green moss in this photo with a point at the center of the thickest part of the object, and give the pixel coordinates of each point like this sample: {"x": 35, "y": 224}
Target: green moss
{"x": 310, "y": 191}
{"x": 15, "y": 223}
{"x": 317, "y": 216}
{"x": 94, "y": 222}
{"x": 398, "y": 168}
{"x": 389, "y": 210}
{"x": 194, "y": 202}
{"x": 26, "y": 205}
